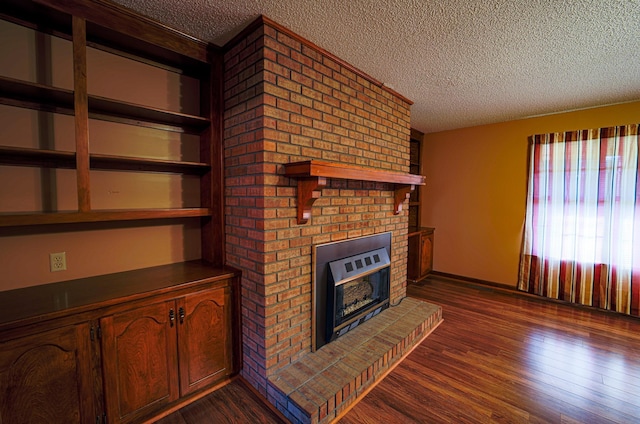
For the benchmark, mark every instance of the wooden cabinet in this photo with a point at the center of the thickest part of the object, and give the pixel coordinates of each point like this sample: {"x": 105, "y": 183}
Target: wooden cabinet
{"x": 123, "y": 348}
{"x": 47, "y": 377}
{"x": 156, "y": 353}
{"x": 420, "y": 256}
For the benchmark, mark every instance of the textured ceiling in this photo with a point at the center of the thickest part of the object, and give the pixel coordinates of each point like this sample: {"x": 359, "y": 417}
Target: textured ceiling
{"x": 462, "y": 62}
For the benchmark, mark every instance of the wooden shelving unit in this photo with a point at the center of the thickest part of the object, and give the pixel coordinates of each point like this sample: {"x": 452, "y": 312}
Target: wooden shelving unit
{"x": 110, "y": 28}
{"x": 72, "y": 156}
{"x": 415, "y": 147}
{"x": 312, "y": 178}
{"x": 420, "y": 246}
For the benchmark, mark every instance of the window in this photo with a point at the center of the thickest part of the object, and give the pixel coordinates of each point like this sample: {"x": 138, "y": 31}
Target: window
{"x": 582, "y": 218}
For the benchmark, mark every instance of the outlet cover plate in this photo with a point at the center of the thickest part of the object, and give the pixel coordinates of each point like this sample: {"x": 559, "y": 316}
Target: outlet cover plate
{"x": 58, "y": 261}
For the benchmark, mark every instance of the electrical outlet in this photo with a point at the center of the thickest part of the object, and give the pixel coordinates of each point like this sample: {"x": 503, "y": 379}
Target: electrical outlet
{"x": 58, "y": 261}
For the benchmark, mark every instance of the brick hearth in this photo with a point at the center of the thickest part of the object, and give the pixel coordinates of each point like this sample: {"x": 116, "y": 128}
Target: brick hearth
{"x": 319, "y": 386}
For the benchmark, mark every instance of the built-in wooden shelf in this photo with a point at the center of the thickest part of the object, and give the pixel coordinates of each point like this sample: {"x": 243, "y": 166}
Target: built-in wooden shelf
{"x": 312, "y": 178}
{"x": 31, "y": 95}
{"x": 20, "y": 219}
{"x": 62, "y": 159}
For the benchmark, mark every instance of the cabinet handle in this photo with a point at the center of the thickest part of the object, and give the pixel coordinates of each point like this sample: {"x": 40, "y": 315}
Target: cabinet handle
{"x": 172, "y": 317}
{"x": 181, "y": 315}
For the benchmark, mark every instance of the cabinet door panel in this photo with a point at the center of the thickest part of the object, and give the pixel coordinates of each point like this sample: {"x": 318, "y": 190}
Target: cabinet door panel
{"x": 139, "y": 361}
{"x": 46, "y": 378}
{"x": 203, "y": 337}
{"x": 426, "y": 258}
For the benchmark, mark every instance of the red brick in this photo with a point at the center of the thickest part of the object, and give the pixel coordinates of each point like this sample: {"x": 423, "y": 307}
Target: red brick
{"x": 290, "y": 85}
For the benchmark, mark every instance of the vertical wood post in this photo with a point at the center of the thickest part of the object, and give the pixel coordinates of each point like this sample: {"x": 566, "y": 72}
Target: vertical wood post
{"x": 81, "y": 113}
{"x": 211, "y": 152}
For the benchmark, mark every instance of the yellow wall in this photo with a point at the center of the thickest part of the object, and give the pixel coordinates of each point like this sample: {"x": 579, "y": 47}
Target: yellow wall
{"x": 476, "y": 188}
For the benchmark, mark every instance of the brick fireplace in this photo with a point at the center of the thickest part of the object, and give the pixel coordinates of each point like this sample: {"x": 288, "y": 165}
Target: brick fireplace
{"x": 287, "y": 100}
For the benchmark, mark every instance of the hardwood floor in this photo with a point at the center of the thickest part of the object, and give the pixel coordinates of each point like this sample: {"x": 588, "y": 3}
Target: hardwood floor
{"x": 498, "y": 357}
{"x": 235, "y": 403}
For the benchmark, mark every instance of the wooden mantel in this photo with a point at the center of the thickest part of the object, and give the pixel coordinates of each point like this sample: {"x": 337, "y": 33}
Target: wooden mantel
{"x": 312, "y": 177}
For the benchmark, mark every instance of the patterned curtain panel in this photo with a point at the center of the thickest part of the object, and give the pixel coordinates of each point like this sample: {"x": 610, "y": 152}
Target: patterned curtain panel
{"x": 582, "y": 229}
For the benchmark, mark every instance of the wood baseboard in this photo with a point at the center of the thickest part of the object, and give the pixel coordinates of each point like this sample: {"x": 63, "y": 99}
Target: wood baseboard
{"x": 513, "y": 291}
{"x": 476, "y": 281}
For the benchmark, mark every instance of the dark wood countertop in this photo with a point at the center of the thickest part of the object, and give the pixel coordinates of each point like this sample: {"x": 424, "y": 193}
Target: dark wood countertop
{"x": 72, "y": 296}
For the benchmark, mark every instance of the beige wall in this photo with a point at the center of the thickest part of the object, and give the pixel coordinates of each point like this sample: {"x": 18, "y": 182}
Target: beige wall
{"x": 476, "y": 188}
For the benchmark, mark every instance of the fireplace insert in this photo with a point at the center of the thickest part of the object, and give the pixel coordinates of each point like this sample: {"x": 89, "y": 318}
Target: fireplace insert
{"x": 351, "y": 285}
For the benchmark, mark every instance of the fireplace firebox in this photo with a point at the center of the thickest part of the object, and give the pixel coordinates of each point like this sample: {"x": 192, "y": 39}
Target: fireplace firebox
{"x": 351, "y": 285}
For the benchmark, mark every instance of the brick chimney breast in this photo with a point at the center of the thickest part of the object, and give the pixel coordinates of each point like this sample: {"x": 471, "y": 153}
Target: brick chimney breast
{"x": 287, "y": 100}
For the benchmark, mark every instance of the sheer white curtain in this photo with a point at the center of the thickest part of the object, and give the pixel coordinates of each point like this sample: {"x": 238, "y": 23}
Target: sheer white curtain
{"x": 582, "y": 218}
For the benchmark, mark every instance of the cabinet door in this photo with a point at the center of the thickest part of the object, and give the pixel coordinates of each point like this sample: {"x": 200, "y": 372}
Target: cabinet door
{"x": 204, "y": 338}
{"x": 139, "y": 361}
{"x": 426, "y": 254}
{"x": 46, "y": 378}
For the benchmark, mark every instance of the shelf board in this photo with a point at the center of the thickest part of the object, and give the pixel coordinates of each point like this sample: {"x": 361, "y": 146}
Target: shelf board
{"x": 13, "y": 220}
{"x": 316, "y": 168}
{"x": 312, "y": 177}
{"x": 107, "y": 162}
{"x": 31, "y": 95}
{"x": 37, "y": 157}
{"x": 60, "y": 159}
{"x": 129, "y": 113}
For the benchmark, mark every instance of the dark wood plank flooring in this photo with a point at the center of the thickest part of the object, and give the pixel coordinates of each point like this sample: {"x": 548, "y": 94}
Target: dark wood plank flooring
{"x": 234, "y": 403}
{"x": 498, "y": 357}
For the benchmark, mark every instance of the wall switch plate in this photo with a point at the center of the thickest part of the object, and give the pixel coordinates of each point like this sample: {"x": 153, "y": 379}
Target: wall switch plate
{"x": 58, "y": 261}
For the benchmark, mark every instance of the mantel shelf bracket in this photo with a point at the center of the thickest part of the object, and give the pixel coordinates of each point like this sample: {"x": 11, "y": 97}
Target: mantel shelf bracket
{"x": 309, "y": 189}
{"x": 402, "y": 193}
{"x": 312, "y": 178}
